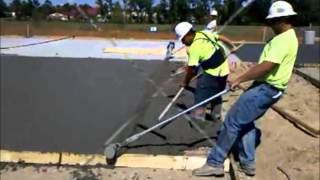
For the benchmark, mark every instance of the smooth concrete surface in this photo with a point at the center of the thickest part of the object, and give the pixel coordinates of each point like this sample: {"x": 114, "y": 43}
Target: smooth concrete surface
{"x": 93, "y": 48}
{"x": 75, "y": 105}
{"x": 79, "y": 47}
{"x": 306, "y": 53}
{"x": 313, "y": 72}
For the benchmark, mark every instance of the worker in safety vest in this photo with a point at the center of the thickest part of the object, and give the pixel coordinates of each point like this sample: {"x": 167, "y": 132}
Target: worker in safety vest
{"x": 271, "y": 76}
{"x": 212, "y": 25}
{"x": 206, "y": 53}
{"x": 212, "y": 28}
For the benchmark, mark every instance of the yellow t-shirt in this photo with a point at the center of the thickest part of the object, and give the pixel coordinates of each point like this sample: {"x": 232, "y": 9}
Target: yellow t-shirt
{"x": 281, "y": 50}
{"x": 202, "y": 49}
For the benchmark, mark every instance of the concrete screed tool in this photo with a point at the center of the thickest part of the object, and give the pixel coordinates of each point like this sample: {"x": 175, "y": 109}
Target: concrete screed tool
{"x": 112, "y": 150}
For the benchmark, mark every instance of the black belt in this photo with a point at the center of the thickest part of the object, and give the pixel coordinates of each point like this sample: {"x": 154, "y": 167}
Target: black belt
{"x": 256, "y": 83}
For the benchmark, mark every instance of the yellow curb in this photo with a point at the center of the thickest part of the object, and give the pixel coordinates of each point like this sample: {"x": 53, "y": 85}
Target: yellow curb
{"x": 29, "y": 157}
{"x": 82, "y": 159}
{"x": 157, "y": 161}
{"x": 126, "y": 160}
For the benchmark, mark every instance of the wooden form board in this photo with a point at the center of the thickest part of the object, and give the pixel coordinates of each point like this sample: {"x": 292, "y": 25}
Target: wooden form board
{"x": 126, "y": 160}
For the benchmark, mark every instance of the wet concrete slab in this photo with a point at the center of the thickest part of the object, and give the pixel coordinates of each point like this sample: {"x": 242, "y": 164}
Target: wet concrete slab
{"x": 311, "y": 74}
{"x": 94, "y": 48}
{"x": 79, "y": 47}
{"x": 75, "y": 105}
{"x": 306, "y": 53}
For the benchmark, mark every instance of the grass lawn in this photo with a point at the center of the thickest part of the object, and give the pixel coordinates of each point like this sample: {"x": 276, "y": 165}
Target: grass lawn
{"x": 124, "y": 31}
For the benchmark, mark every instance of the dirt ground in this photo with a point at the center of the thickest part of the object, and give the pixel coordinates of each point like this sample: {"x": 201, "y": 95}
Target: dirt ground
{"x": 285, "y": 151}
{"x": 282, "y": 144}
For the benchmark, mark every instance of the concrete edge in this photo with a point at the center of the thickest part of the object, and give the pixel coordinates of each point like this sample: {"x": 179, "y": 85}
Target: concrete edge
{"x": 29, "y": 157}
{"x": 126, "y": 160}
{"x": 312, "y": 80}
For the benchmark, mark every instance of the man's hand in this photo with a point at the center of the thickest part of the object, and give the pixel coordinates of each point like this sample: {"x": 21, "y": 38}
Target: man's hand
{"x": 233, "y": 83}
{"x": 190, "y": 73}
{"x": 234, "y": 49}
{"x": 253, "y": 73}
{"x": 184, "y": 85}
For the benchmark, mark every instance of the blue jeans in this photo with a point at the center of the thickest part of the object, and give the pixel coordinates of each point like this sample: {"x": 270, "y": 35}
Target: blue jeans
{"x": 238, "y": 130}
{"x": 207, "y": 86}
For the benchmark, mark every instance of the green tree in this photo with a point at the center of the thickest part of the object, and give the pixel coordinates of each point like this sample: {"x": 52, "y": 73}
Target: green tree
{"x": 35, "y": 3}
{"x": 179, "y": 10}
{"x": 162, "y": 11}
{"x": 16, "y": 7}
{"x": 46, "y": 8}
{"x": 27, "y": 9}
{"x": 173, "y": 11}
{"x": 3, "y": 8}
{"x": 308, "y": 12}
{"x": 36, "y": 12}
{"x": 149, "y": 10}
{"x": 201, "y": 10}
{"x": 105, "y": 7}
{"x": 108, "y": 5}
{"x": 140, "y": 9}
{"x": 225, "y": 10}
{"x": 116, "y": 13}
{"x": 183, "y": 10}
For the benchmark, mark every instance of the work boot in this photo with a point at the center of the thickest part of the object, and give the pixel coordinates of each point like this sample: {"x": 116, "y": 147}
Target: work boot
{"x": 248, "y": 170}
{"x": 217, "y": 117}
{"x": 207, "y": 170}
{"x": 216, "y": 112}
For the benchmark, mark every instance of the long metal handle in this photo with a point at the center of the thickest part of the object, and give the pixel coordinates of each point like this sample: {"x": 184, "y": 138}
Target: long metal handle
{"x": 238, "y": 47}
{"x": 137, "y": 136}
{"x": 170, "y": 104}
{"x": 175, "y": 98}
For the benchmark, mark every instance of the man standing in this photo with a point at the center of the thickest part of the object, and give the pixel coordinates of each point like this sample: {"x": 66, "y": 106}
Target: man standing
{"x": 212, "y": 25}
{"x": 271, "y": 77}
{"x": 204, "y": 51}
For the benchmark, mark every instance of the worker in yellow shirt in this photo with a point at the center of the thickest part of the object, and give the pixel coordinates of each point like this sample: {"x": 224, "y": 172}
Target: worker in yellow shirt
{"x": 271, "y": 76}
{"x": 204, "y": 52}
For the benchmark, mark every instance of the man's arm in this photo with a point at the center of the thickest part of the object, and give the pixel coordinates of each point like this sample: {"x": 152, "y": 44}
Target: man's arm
{"x": 190, "y": 73}
{"x": 253, "y": 73}
{"x": 227, "y": 41}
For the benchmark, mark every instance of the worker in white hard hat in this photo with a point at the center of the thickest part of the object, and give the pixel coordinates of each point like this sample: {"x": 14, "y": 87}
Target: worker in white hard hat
{"x": 212, "y": 25}
{"x": 204, "y": 52}
{"x": 271, "y": 76}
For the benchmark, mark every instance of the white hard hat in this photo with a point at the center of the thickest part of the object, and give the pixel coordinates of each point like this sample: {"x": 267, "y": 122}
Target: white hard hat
{"x": 182, "y": 29}
{"x": 280, "y": 9}
{"x": 214, "y": 12}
